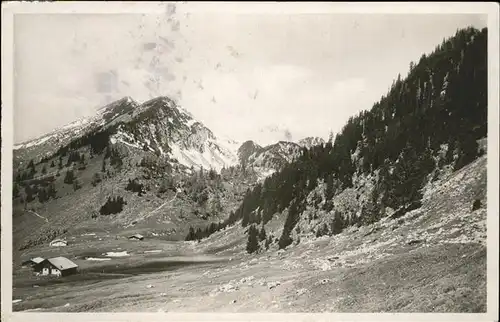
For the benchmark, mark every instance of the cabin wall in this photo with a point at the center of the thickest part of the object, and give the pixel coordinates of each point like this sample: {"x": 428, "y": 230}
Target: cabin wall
{"x": 70, "y": 271}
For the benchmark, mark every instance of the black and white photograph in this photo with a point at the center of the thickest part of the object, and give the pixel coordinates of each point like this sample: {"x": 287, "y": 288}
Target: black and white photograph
{"x": 229, "y": 158}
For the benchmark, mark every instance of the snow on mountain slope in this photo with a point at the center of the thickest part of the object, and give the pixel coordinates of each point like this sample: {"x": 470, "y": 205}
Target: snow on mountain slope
{"x": 165, "y": 128}
{"x": 267, "y": 160}
{"x": 102, "y": 116}
{"x": 161, "y": 126}
{"x": 50, "y": 142}
{"x": 309, "y": 142}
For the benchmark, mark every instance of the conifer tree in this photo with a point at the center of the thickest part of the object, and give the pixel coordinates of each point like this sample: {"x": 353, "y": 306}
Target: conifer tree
{"x": 70, "y": 176}
{"x": 252, "y": 243}
{"x": 76, "y": 184}
{"x": 262, "y": 234}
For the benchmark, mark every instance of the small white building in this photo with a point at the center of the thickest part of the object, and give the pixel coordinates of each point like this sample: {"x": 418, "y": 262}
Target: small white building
{"x": 58, "y": 243}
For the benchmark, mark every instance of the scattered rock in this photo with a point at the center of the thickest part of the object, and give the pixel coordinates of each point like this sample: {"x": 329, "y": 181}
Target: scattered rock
{"x": 228, "y": 288}
{"x": 331, "y": 259}
{"x": 324, "y": 281}
{"x": 150, "y": 286}
{"x": 247, "y": 279}
{"x": 301, "y": 291}
{"x": 233, "y": 301}
{"x": 66, "y": 305}
{"x": 272, "y": 285}
{"x": 36, "y": 285}
{"x": 414, "y": 242}
{"x": 163, "y": 294}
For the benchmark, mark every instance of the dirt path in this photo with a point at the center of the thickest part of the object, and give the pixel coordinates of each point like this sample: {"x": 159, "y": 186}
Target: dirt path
{"x": 34, "y": 213}
{"x": 165, "y": 203}
{"x": 160, "y": 207}
{"x": 43, "y": 176}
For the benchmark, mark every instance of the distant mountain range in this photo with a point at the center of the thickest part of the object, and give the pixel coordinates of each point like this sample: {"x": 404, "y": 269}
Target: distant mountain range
{"x": 159, "y": 145}
{"x": 163, "y": 127}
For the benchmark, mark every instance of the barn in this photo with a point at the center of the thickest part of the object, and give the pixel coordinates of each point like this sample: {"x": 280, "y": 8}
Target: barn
{"x": 58, "y": 243}
{"x": 32, "y": 262}
{"x": 136, "y": 237}
{"x": 58, "y": 266}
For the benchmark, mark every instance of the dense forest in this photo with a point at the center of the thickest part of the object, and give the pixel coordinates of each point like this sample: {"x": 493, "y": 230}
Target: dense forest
{"x": 431, "y": 119}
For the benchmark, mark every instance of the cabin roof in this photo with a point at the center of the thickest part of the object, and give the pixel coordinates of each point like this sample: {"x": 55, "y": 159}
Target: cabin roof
{"x": 37, "y": 260}
{"x": 58, "y": 240}
{"x": 62, "y": 263}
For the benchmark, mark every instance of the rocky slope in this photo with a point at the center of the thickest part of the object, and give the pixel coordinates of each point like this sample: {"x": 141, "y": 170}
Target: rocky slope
{"x": 266, "y": 160}
{"x": 170, "y": 170}
{"x": 431, "y": 260}
{"x": 310, "y": 141}
{"x": 382, "y": 161}
{"x": 158, "y": 125}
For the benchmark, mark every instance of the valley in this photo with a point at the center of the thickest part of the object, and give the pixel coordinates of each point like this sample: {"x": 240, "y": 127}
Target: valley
{"x": 160, "y": 214}
{"x": 431, "y": 259}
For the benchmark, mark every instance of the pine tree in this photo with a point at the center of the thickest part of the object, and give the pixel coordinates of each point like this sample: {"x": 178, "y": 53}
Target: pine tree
{"x": 52, "y": 193}
{"x": 268, "y": 242}
{"x": 76, "y": 184}
{"x": 329, "y": 193}
{"x": 262, "y": 234}
{"x": 42, "y": 195}
{"x": 191, "y": 234}
{"x": 284, "y": 240}
{"x": 252, "y": 243}
{"x": 337, "y": 224}
{"x": 467, "y": 153}
{"x": 70, "y": 177}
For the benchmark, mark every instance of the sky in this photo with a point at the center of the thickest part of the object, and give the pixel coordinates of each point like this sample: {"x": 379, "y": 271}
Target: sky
{"x": 264, "y": 77}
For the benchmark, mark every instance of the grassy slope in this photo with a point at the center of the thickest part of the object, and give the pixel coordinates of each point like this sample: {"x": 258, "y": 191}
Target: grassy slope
{"x": 72, "y": 210}
{"x": 370, "y": 269}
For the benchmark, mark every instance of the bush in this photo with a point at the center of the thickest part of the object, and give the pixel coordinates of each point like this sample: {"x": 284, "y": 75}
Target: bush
{"x": 112, "y": 206}
{"x": 476, "y": 205}
{"x": 135, "y": 186}
{"x": 96, "y": 179}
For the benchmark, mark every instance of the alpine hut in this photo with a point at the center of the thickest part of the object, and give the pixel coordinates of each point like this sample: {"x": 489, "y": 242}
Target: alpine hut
{"x": 58, "y": 243}
{"x": 136, "y": 237}
{"x": 33, "y": 261}
{"x": 58, "y": 266}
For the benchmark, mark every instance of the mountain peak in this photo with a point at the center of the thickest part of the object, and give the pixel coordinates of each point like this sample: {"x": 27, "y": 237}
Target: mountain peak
{"x": 310, "y": 141}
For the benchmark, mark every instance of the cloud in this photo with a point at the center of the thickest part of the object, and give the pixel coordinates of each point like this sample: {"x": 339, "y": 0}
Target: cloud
{"x": 304, "y": 73}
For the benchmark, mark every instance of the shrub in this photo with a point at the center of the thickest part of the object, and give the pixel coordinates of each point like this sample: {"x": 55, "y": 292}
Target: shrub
{"x": 112, "y": 206}
{"x": 476, "y": 205}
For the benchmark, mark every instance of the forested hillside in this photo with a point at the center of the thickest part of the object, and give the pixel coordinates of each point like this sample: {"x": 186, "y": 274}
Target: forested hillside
{"x": 428, "y": 123}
